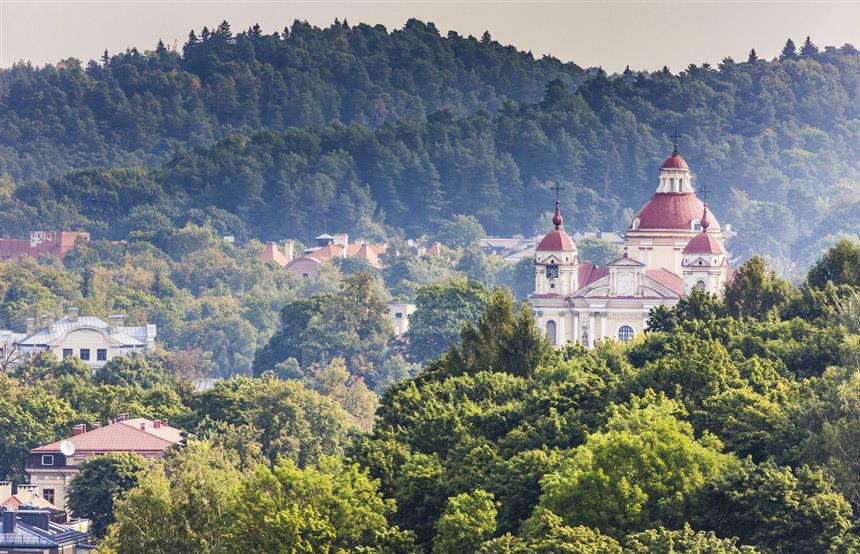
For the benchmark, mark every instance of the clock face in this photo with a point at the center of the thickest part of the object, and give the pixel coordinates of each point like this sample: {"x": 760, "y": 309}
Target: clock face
{"x": 552, "y": 271}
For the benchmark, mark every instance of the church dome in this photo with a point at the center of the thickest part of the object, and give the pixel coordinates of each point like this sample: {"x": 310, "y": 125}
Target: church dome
{"x": 668, "y": 210}
{"x": 556, "y": 240}
{"x": 704, "y": 243}
{"x": 675, "y": 161}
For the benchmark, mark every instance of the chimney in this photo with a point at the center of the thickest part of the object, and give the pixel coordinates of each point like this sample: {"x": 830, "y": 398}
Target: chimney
{"x": 288, "y": 249}
{"x": 5, "y": 490}
{"x": 122, "y": 417}
{"x": 31, "y": 325}
{"x": 115, "y": 321}
{"x": 72, "y": 314}
{"x": 79, "y": 429}
{"x": 34, "y": 518}
{"x": 156, "y": 423}
{"x": 341, "y": 239}
{"x": 164, "y": 422}
{"x": 9, "y": 521}
{"x": 97, "y": 425}
{"x": 48, "y": 321}
{"x": 29, "y": 489}
{"x": 143, "y": 426}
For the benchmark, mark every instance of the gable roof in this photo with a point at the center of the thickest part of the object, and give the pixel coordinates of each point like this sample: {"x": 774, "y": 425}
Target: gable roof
{"x": 121, "y": 436}
{"x": 668, "y": 279}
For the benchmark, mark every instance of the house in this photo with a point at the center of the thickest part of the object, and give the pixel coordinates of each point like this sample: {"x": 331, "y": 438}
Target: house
{"x": 91, "y": 339}
{"x": 273, "y": 253}
{"x": 28, "y": 496}
{"x": 51, "y": 467}
{"x": 31, "y": 531}
{"x": 398, "y": 315}
{"x": 53, "y": 243}
{"x": 330, "y": 247}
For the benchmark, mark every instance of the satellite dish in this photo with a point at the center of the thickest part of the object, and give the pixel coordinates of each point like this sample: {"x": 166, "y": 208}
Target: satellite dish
{"x": 67, "y": 448}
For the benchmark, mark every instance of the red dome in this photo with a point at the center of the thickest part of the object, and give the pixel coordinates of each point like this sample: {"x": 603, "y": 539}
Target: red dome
{"x": 704, "y": 243}
{"x": 667, "y": 210}
{"x": 556, "y": 241}
{"x": 675, "y": 161}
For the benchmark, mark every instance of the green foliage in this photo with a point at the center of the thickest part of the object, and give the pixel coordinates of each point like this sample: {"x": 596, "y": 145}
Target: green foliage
{"x": 756, "y": 291}
{"x": 468, "y": 519}
{"x": 99, "y": 483}
{"x": 640, "y": 470}
{"x": 597, "y": 251}
{"x": 440, "y": 313}
{"x": 685, "y": 541}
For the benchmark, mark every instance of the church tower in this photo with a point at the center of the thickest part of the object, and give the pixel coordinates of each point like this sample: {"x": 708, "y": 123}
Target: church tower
{"x": 658, "y": 234}
{"x": 556, "y": 261}
{"x": 705, "y": 261}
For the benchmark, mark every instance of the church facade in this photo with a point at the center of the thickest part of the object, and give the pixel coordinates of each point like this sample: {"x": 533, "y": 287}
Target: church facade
{"x": 672, "y": 245}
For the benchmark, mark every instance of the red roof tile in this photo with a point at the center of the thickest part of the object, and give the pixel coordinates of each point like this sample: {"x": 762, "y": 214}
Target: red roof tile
{"x": 675, "y": 161}
{"x": 668, "y": 210}
{"x": 667, "y": 279}
{"x": 704, "y": 243}
{"x": 556, "y": 241}
{"x": 122, "y": 436}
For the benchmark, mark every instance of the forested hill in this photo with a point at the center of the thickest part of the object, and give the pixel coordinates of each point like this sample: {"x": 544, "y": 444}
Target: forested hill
{"x": 378, "y": 133}
{"x": 136, "y": 107}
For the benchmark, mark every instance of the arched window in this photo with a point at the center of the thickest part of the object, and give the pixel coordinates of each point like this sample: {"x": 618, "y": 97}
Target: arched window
{"x": 625, "y": 333}
{"x": 550, "y": 332}
{"x": 700, "y": 284}
{"x": 635, "y": 224}
{"x": 672, "y": 184}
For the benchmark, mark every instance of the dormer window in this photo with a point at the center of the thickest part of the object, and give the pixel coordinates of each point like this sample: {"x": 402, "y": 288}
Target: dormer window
{"x": 47, "y": 460}
{"x": 696, "y": 224}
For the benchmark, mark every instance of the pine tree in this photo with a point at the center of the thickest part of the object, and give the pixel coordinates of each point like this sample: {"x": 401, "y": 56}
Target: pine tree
{"x": 160, "y": 48}
{"x": 808, "y": 49}
{"x": 627, "y": 71}
{"x": 255, "y": 32}
{"x": 753, "y": 57}
{"x": 789, "y": 51}
{"x": 486, "y": 38}
{"x": 105, "y": 59}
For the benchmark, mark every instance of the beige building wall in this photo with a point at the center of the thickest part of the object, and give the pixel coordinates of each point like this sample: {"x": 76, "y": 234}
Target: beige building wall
{"x": 398, "y": 315}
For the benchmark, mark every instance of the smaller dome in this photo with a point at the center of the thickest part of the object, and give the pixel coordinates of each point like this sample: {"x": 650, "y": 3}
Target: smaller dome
{"x": 556, "y": 241}
{"x": 704, "y": 243}
{"x": 675, "y": 161}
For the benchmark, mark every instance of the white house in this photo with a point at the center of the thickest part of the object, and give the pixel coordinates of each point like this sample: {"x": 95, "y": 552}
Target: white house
{"x": 91, "y": 339}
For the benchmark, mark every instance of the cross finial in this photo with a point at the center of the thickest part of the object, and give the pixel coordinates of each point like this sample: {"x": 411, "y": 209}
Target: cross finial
{"x": 558, "y": 189}
{"x": 675, "y": 136}
{"x": 705, "y": 190}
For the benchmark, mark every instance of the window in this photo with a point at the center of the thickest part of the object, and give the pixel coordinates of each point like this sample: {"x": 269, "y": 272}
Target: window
{"x": 552, "y": 271}
{"x": 635, "y": 224}
{"x": 48, "y": 494}
{"x": 85, "y": 354}
{"x": 101, "y": 354}
{"x": 550, "y": 332}
{"x": 398, "y": 315}
{"x": 305, "y": 276}
{"x": 47, "y": 459}
{"x": 700, "y": 284}
{"x": 67, "y": 353}
{"x": 625, "y": 333}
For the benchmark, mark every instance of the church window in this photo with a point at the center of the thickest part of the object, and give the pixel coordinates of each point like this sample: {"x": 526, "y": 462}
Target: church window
{"x": 552, "y": 271}
{"x": 625, "y": 333}
{"x": 551, "y": 332}
{"x": 700, "y": 284}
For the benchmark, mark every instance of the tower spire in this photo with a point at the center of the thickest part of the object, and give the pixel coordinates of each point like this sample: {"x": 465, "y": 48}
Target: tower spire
{"x": 675, "y": 137}
{"x": 557, "y": 220}
{"x": 704, "y": 223}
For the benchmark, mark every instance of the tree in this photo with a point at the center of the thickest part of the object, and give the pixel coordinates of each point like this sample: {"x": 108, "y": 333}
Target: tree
{"x": 460, "y": 231}
{"x": 178, "y": 505}
{"x": 753, "y": 57}
{"x": 597, "y": 251}
{"x": 440, "y": 313}
{"x": 789, "y": 51}
{"x": 685, "y": 540}
{"x": 100, "y": 482}
{"x": 545, "y": 533}
{"x": 468, "y": 519}
{"x": 774, "y": 508}
{"x": 330, "y": 508}
{"x": 756, "y": 291}
{"x": 840, "y": 265}
{"x": 641, "y": 469}
{"x": 808, "y": 49}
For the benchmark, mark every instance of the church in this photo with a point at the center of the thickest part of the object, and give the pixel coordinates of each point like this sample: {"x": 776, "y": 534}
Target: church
{"x": 674, "y": 244}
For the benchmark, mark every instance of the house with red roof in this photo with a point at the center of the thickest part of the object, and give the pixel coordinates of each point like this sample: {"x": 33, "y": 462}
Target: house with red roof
{"x": 673, "y": 245}
{"x": 51, "y": 467}
{"x": 331, "y": 247}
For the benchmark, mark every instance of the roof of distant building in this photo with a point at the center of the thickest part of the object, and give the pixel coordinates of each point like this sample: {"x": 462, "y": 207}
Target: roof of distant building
{"x": 132, "y": 435}
{"x": 121, "y": 336}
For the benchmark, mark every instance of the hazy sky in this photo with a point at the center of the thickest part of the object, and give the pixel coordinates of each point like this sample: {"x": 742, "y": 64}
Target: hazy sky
{"x": 645, "y": 35}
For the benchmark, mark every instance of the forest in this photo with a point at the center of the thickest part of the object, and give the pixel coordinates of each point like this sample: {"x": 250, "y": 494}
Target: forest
{"x": 730, "y": 427}
{"x": 391, "y": 133}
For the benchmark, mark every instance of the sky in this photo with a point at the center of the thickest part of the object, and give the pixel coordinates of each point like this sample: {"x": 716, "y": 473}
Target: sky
{"x": 610, "y": 34}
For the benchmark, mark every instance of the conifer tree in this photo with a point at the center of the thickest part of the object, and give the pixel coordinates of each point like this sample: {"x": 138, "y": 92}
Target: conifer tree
{"x": 753, "y": 57}
{"x": 789, "y": 51}
{"x": 808, "y": 49}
